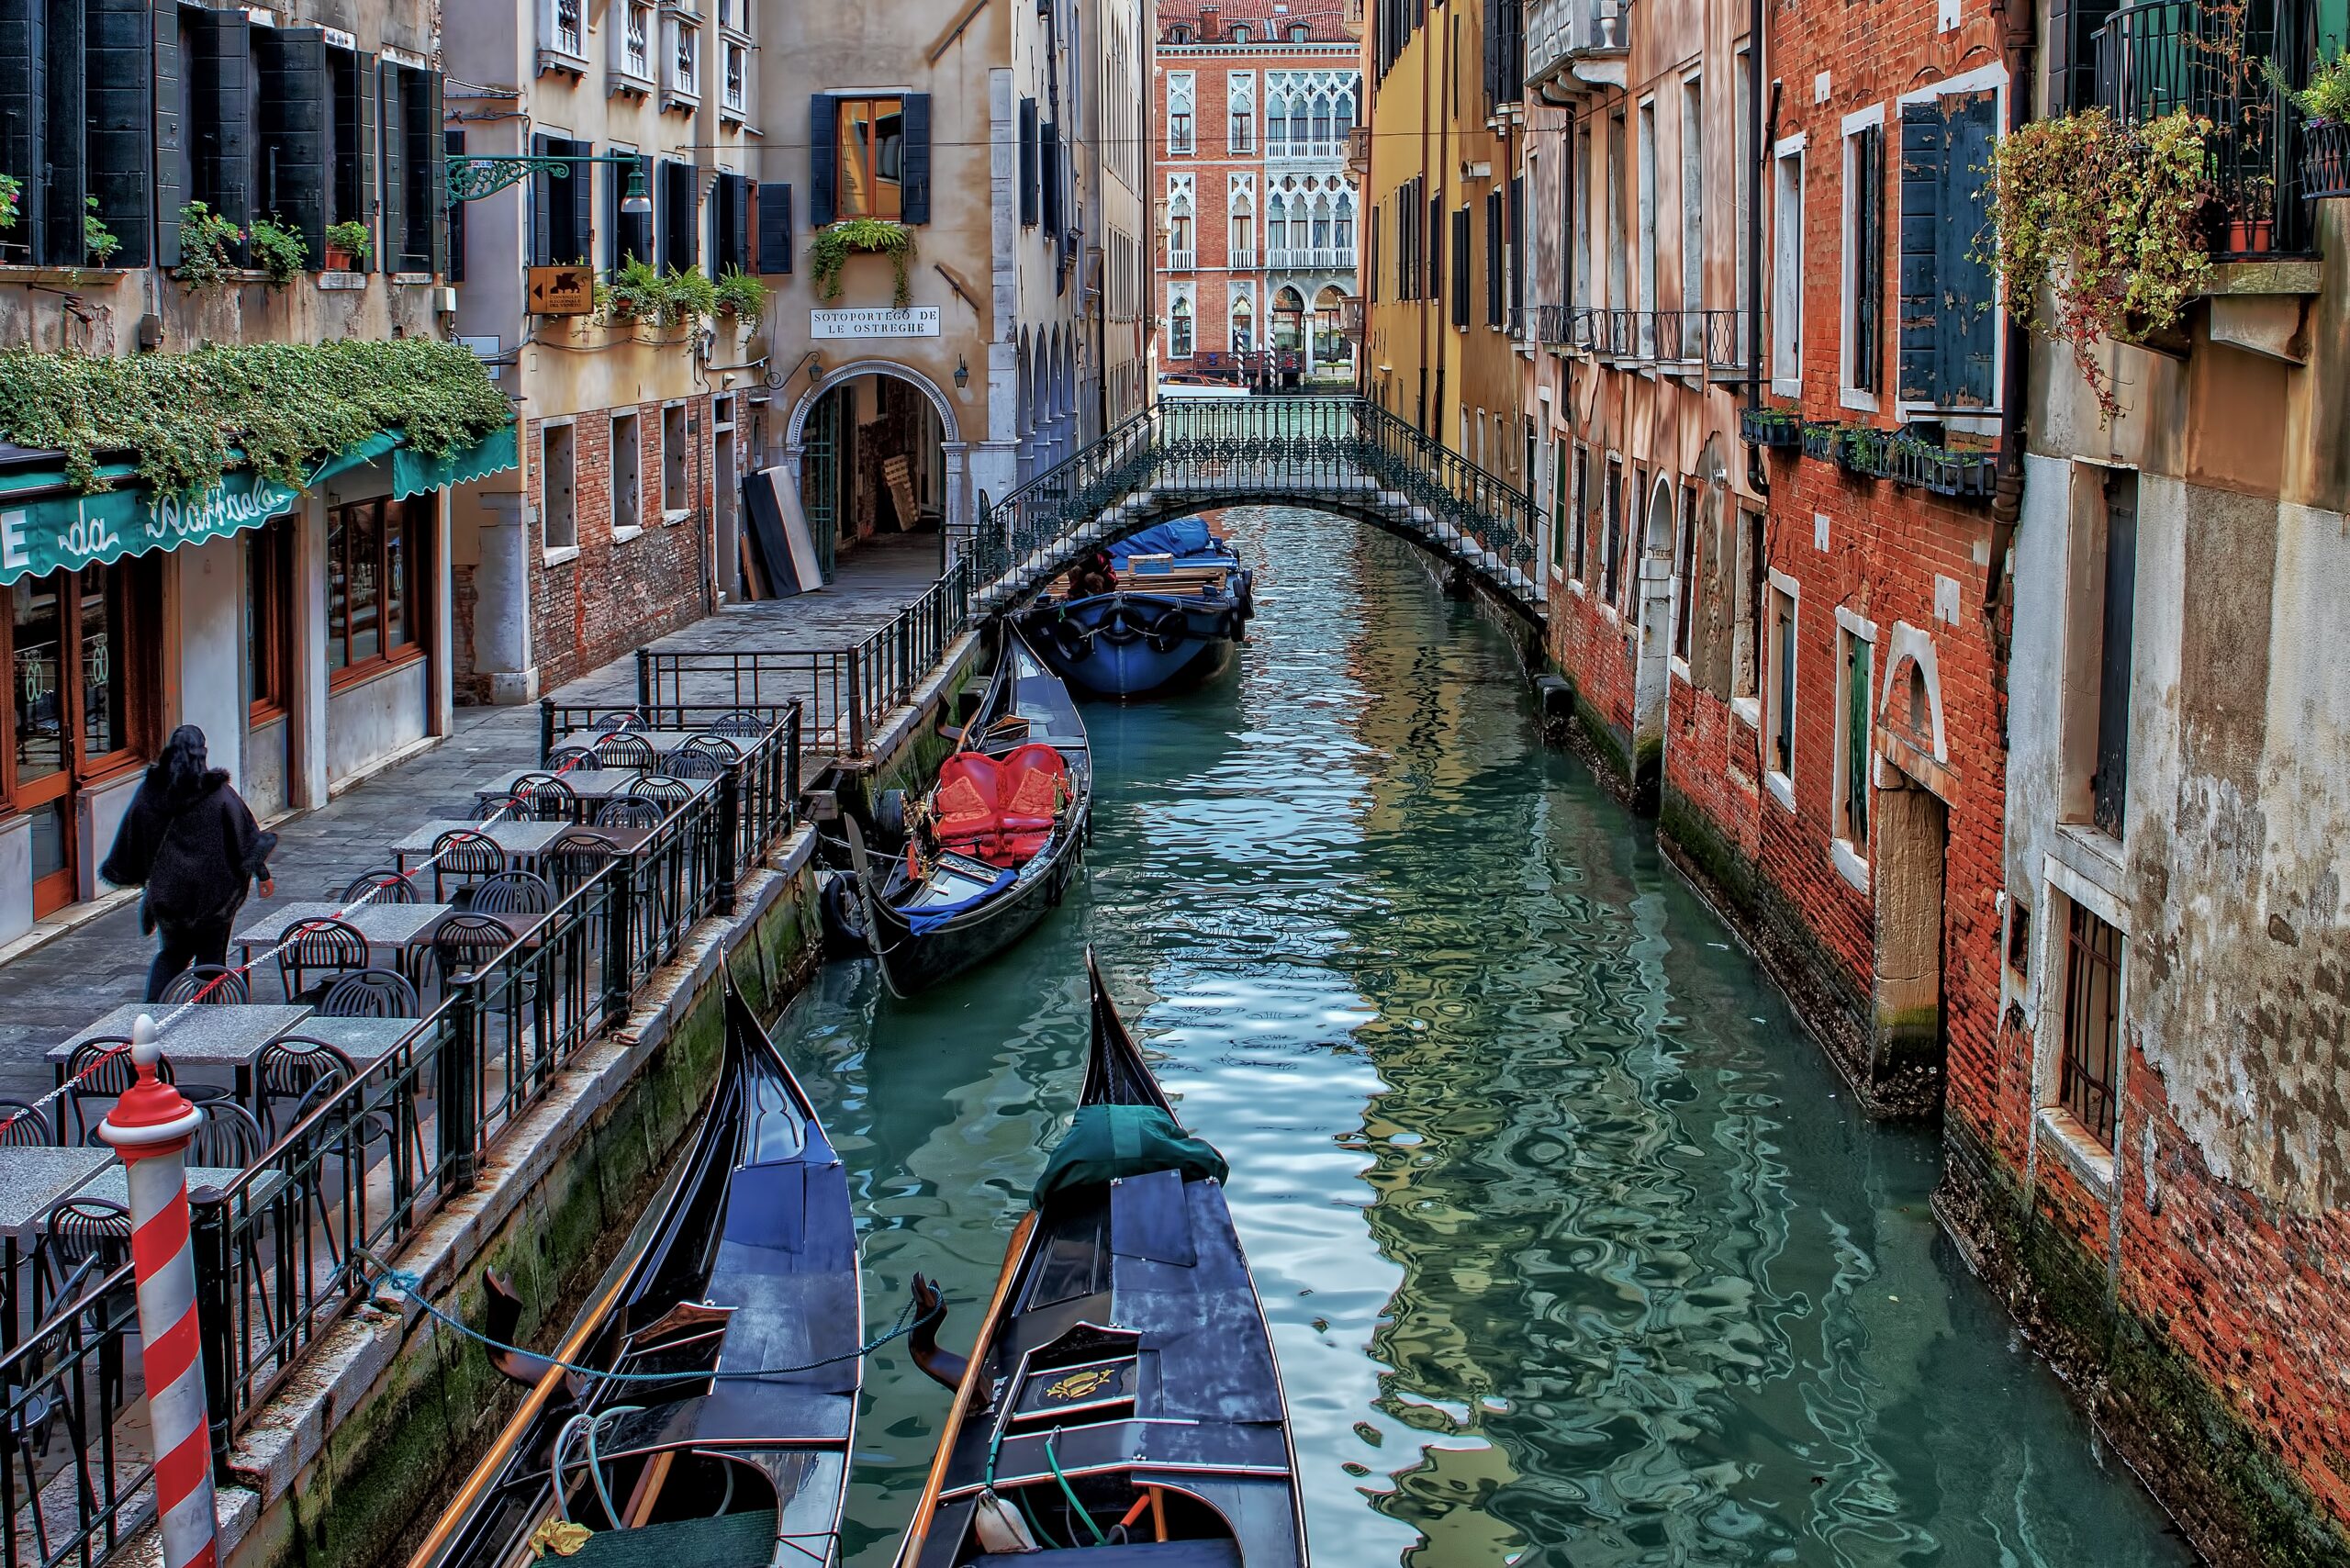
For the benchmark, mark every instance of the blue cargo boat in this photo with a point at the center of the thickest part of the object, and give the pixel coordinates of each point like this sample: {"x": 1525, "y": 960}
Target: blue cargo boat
{"x": 1157, "y": 610}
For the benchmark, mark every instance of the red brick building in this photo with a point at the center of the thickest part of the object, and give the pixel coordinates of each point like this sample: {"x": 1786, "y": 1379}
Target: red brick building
{"x": 1258, "y": 216}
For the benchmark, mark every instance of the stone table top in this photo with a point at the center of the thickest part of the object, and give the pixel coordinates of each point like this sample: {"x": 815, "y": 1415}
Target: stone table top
{"x": 383, "y": 925}
{"x": 200, "y": 1037}
{"x": 587, "y": 783}
{"x": 32, "y": 1180}
{"x": 361, "y": 1039}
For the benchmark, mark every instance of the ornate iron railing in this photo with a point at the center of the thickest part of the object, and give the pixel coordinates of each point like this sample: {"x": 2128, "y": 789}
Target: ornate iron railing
{"x": 77, "y": 1478}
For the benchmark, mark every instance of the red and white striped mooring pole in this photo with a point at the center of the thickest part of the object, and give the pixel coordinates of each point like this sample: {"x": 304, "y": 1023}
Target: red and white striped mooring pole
{"x": 149, "y": 1127}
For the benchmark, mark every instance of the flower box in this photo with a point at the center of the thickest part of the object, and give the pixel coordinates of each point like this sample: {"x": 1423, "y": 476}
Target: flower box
{"x": 1772, "y": 428}
{"x": 1819, "y": 439}
{"x": 1941, "y": 470}
{"x": 2325, "y": 159}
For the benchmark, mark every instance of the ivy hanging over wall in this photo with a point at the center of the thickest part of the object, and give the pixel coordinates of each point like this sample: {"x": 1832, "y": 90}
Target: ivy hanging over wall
{"x": 2107, "y": 218}
{"x": 286, "y": 406}
{"x": 832, "y": 247}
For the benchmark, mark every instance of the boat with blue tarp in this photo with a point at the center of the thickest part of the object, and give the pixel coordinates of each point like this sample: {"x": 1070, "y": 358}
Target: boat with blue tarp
{"x": 1157, "y": 610}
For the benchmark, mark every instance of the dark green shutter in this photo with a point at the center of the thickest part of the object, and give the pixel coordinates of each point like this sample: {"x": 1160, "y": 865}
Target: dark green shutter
{"x": 734, "y": 212}
{"x": 1050, "y": 142}
{"x": 391, "y": 122}
{"x": 22, "y": 56}
{"x": 1028, "y": 191}
{"x": 1494, "y": 258}
{"x": 1924, "y": 151}
{"x": 453, "y": 143}
{"x": 295, "y": 115}
{"x": 1460, "y": 263}
{"x": 631, "y": 232}
{"x": 436, "y": 175}
{"x": 220, "y": 149}
{"x": 1868, "y": 257}
{"x": 913, "y": 168}
{"x": 823, "y": 154}
{"x": 678, "y": 248}
{"x": 363, "y": 132}
{"x": 775, "y": 227}
{"x": 119, "y": 139}
{"x": 61, "y": 174}
{"x": 543, "y": 199}
{"x": 1968, "y": 336}
{"x": 171, "y": 134}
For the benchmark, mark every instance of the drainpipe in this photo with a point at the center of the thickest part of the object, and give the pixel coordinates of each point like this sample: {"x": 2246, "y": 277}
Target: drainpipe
{"x": 1760, "y": 124}
{"x": 2007, "y": 499}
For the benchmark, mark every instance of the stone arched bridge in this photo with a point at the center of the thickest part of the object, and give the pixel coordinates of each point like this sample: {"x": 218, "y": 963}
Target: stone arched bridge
{"x": 1341, "y": 454}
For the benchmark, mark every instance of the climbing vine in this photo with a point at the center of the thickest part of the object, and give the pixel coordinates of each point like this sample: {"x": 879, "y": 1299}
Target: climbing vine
{"x": 832, "y": 247}
{"x": 2107, "y": 219}
{"x": 286, "y": 406}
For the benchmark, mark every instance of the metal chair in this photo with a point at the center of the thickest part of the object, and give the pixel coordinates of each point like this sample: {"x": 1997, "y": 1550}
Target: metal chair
{"x": 289, "y": 1068}
{"x": 573, "y": 858}
{"x": 626, "y": 751}
{"x": 512, "y": 893}
{"x": 569, "y": 756}
{"x": 742, "y": 724}
{"x": 687, "y": 762}
{"x": 101, "y": 1068}
{"x": 81, "y": 1239}
{"x": 461, "y": 857}
{"x": 501, "y": 809}
{"x": 23, "y": 1126}
{"x": 463, "y": 942}
{"x": 549, "y": 798}
{"x": 209, "y": 985}
{"x": 371, "y": 993}
{"x": 669, "y": 792}
{"x": 622, "y": 719}
{"x": 630, "y": 811}
{"x": 310, "y": 951}
{"x": 381, "y": 886}
{"x": 229, "y": 1137}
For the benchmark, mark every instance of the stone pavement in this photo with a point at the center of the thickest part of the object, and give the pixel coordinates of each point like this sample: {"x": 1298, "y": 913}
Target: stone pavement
{"x": 55, "y": 989}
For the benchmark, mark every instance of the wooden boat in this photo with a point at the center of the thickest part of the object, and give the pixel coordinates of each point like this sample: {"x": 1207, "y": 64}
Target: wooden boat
{"x": 994, "y": 845}
{"x": 1157, "y": 612}
{"x": 1120, "y": 1405}
{"x": 749, "y": 1269}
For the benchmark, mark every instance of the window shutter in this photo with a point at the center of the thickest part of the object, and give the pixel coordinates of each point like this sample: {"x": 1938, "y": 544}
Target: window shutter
{"x": 1370, "y": 259}
{"x": 913, "y": 196}
{"x": 632, "y": 234}
{"x": 22, "y": 56}
{"x": 220, "y": 159}
{"x": 678, "y": 238}
{"x": 364, "y": 133}
{"x": 171, "y": 134}
{"x": 1969, "y": 328}
{"x": 1518, "y": 242}
{"x": 119, "y": 139}
{"x": 1924, "y": 138}
{"x": 738, "y": 222}
{"x": 1028, "y": 193}
{"x": 542, "y": 200}
{"x": 578, "y": 241}
{"x": 391, "y": 122}
{"x": 293, "y": 131}
{"x": 61, "y": 173}
{"x": 452, "y": 142}
{"x": 823, "y": 154}
{"x": 1434, "y": 240}
{"x": 436, "y": 173}
{"x": 1050, "y": 144}
{"x": 1868, "y": 257}
{"x": 1461, "y": 261}
{"x": 1493, "y": 258}
{"x": 775, "y": 227}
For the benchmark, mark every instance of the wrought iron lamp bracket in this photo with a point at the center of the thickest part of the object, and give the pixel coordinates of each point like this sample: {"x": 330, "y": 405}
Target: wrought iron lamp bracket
{"x": 474, "y": 176}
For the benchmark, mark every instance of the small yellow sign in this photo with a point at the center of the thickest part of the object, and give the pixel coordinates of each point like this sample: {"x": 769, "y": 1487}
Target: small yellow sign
{"x": 1079, "y": 1385}
{"x": 562, "y": 291}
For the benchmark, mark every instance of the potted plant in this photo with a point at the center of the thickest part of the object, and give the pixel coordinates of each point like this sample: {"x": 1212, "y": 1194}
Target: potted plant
{"x": 692, "y": 294}
{"x": 347, "y": 246}
{"x": 204, "y": 238}
{"x": 96, "y": 237}
{"x": 1768, "y": 427}
{"x": 1819, "y": 439}
{"x": 741, "y": 296}
{"x": 279, "y": 251}
{"x": 833, "y": 246}
{"x": 2324, "y": 105}
{"x": 12, "y": 190}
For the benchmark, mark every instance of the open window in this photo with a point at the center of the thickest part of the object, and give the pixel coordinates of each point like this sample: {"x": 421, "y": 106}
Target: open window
{"x": 870, "y": 158}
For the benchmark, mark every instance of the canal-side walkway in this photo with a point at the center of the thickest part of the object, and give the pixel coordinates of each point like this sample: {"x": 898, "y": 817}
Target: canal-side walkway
{"x": 58, "y": 988}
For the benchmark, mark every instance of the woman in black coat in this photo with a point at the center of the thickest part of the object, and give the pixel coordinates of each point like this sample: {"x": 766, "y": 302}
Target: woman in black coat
{"x": 192, "y": 842}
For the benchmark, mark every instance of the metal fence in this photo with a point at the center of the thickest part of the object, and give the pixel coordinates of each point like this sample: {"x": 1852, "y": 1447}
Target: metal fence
{"x": 844, "y": 693}
{"x": 71, "y": 1490}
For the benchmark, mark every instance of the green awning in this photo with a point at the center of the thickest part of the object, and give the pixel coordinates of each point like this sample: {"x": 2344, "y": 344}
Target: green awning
{"x": 47, "y": 526}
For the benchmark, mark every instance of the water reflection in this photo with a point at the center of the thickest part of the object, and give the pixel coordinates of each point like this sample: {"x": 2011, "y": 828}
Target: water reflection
{"x": 1571, "y": 1252}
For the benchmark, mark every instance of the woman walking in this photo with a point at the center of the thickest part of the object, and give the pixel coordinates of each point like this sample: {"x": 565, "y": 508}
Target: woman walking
{"x": 191, "y": 840}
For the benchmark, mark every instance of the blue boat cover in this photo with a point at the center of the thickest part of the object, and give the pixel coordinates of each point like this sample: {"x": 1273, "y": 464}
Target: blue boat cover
{"x": 923, "y": 922}
{"x": 1184, "y": 536}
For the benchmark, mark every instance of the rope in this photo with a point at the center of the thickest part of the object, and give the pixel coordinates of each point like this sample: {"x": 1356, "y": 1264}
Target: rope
{"x": 1069, "y": 1492}
{"x": 405, "y": 1283}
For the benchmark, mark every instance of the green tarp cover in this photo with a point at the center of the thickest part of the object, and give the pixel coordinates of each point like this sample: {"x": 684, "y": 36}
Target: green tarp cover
{"x": 1108, "y": 1141}
{"x": 47, "y": 527}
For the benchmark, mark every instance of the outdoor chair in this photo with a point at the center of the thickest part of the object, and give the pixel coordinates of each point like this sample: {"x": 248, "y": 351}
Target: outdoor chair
{"x": 463, "y": 942}
{"x": 312, "y": 951}
{"x": 564, "y": 757}
{"x": 290, "y": 1069}
{"x": 689, "y": 762}
{"x": 98, "y": 1071}
{"x": 228, "y": 1137}
{"x": 744, "y": 724}
{"x": 512, "y": 893}
{"x": 630, "y": 811}
{"x": 209, "y": 985}
{"x": 23, "y": 1126}
{"x": 621, "y": 718}
{"x": 82, "y": 1240}
{"x": 371, "y": 993}
{"x": 625, "y": 751}
{"x": 573, "y": 858}
{"x": 460, "y": 858}
{"x": 548, "y": 797}
{"x": 501, "y": 809}
{"x": 669, "y": 792}
{"x": 381, "y": 886}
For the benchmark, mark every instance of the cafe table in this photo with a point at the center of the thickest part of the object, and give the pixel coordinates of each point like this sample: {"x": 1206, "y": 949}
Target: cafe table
{"x": 524, "y": 842}
{"x": 206, "y": 1036}
{"x": 34, "y": 1180}
{"x": 663, "y": 742}
{"x": 586, "y": 784}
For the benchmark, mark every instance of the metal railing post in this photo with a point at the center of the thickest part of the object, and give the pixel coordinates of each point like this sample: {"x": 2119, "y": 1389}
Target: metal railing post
{"x": 730, "y": 819}
{"x": 460, "y": 1061}
{"x": 643, "y": 678}
{"x": 546, "y": 727}
{"x": 619, "y": 929}
{"x": 853, "y": 718}
{"x": 215, "y": 1261}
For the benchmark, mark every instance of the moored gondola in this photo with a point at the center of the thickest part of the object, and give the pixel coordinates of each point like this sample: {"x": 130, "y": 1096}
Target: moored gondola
{"x": 707, "y": 1421}
{"x": 994, "y": 844}
{"x": 1120, "y": 1403}
{"x": 1157, "y": 612}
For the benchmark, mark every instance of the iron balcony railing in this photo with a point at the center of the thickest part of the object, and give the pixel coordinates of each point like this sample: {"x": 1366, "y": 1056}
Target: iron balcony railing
{"x": 2205, "y": 57}
{"x": 1715, "y": 339}
{"x": 1558, "y": 31}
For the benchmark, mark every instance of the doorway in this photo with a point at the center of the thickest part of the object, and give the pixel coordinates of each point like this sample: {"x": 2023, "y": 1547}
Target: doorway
{"x": 1649, "y": 679}
{"x": 1912, "y": 848}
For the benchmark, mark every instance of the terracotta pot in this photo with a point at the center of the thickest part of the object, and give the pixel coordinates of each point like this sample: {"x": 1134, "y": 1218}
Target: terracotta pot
{"x": 341, "y": 261}
{"x": 2251, "y": 236}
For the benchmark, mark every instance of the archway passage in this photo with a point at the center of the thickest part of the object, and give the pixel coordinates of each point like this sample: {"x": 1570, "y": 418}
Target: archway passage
{"x": 1906, "y": 1049}
{"x": 877, "y": 463}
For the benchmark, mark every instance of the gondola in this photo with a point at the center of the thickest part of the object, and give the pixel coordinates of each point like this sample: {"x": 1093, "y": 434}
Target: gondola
{"x": 1157, "y": 612}
{"x": 995, "y": 842}
{"x": 1120, "y": 1405}
{"x": 749, "y": 1269}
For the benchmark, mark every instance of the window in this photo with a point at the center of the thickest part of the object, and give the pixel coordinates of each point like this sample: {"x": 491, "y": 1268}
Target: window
{"x": 1240, "y": 32}
{"x": 269, "y": 619}
{"x": 1684, "y": 572}
{"x": 1496, "y": 298}
{"x": 1749, "y": 587}
{"x": 1179, "y": 34}
{"x": 871, "y": 166}
{"x": 685, "y": 60}
{"x": 1181, "y": 89}
{"x": 1647, "y": 302}
{"x": 1615, "y": 232}
{"x": 1949, "y": 333}
{"x": 1786, "y": 273}
{"x": 1460, "y": 260}
{"x": 562, "y": 233}
{"x": 1864, "y": 257}
{"x": 1611, "y": 530}
{"x": 375, "y": 561}
{"x": 1031, "y": 188}
{"x": 1579, "y": 222}
{"x": 1853, "y": 726}
{"x": 1240, "y": 110}
{"x": 1179, "y": 328}
{"x": 2087, "y": 1074}
{"x": 558, "y": 489}
{"x": 1579, "y": 546}
{"x": 1240, "y": 231}
{"x": 79, "y": 128}
{"x": 730, "y": 223}
{"x": 2101, "y": 617}
{"x": 1693, "y": 218}
{"x": 679, "y": 201}
{"x": 1560, "y": 515}
{"x": 569, "y": 35}
{"x": 676, "y": 452}
{"x": 1780, "y": 720}
{"x": 735, "y": 87}
{"x": 1244, "y": 336}
{"x": 1299, "y": 32}
{"x": 2018, "y": 938}
{"x": 636, "y": 41}
{"x": 628, "y": 475}
{"x": 414, "y": 169}
{"x": 631, "y": 233}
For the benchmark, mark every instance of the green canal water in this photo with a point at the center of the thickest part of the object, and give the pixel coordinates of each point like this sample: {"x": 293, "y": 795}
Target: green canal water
{"x": 1575, "y": 1251}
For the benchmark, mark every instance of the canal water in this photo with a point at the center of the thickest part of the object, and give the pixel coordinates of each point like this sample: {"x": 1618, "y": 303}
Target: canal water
{"x": 1574, "y": 1251}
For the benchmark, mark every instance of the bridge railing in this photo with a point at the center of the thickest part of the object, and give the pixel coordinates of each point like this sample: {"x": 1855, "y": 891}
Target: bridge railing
{"x": 1212, "y": 449}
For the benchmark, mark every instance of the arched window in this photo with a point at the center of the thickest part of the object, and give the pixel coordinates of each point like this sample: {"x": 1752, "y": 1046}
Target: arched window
{"x": 1321, "y": 116}
{"x": 1298, "y": 32}
{"x": 1179, "y": 34}
{"x": 1243, "y": 325}
{"x": 1321, "y": 223}
{"x": 1178, "y": 331}
{"x": 1276, "y": 224}
{"x": 1240, "y": 231}
{"x": 1345, "y": 115}
{"x": 1345, "y": 236}
{"x": 1240, "y": 32}
{"x": 1178, "y": 230}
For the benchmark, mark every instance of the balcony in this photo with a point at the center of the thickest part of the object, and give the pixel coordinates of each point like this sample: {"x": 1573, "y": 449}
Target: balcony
{"x": 1310, "y": 258}
{"x": 1310, "y": 150}
{"x": 1241, "y": 258}
{"x": 1350, "y": 318}
{"x": 1682, "y": 341}
{"x": 2166, "y": 55}
{"x": 1359, "y": 151}
{"x": 1578, "y": 44}
{"x": 1181, "y": 261}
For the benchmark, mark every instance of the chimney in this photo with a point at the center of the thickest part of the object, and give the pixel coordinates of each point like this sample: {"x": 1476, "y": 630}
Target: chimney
{"x": 1209, "y": 16}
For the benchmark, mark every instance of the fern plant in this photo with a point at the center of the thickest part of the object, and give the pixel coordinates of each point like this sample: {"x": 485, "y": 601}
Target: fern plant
{"x": 833, "y": 246}
{"x": 741, "y": 296}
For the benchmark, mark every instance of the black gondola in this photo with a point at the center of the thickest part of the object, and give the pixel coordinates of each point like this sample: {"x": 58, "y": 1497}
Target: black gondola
{"x": 1122, "y": 1404}
{"x": 994, "y": 845}
{"x": 750, "y": 1269}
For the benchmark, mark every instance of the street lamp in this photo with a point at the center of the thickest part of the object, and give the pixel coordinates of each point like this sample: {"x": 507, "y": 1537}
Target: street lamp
{"x": 634, "y": 202}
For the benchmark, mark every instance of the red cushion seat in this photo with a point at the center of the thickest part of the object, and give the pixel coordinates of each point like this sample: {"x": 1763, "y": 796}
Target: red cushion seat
{"x": 999, "y": 811}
